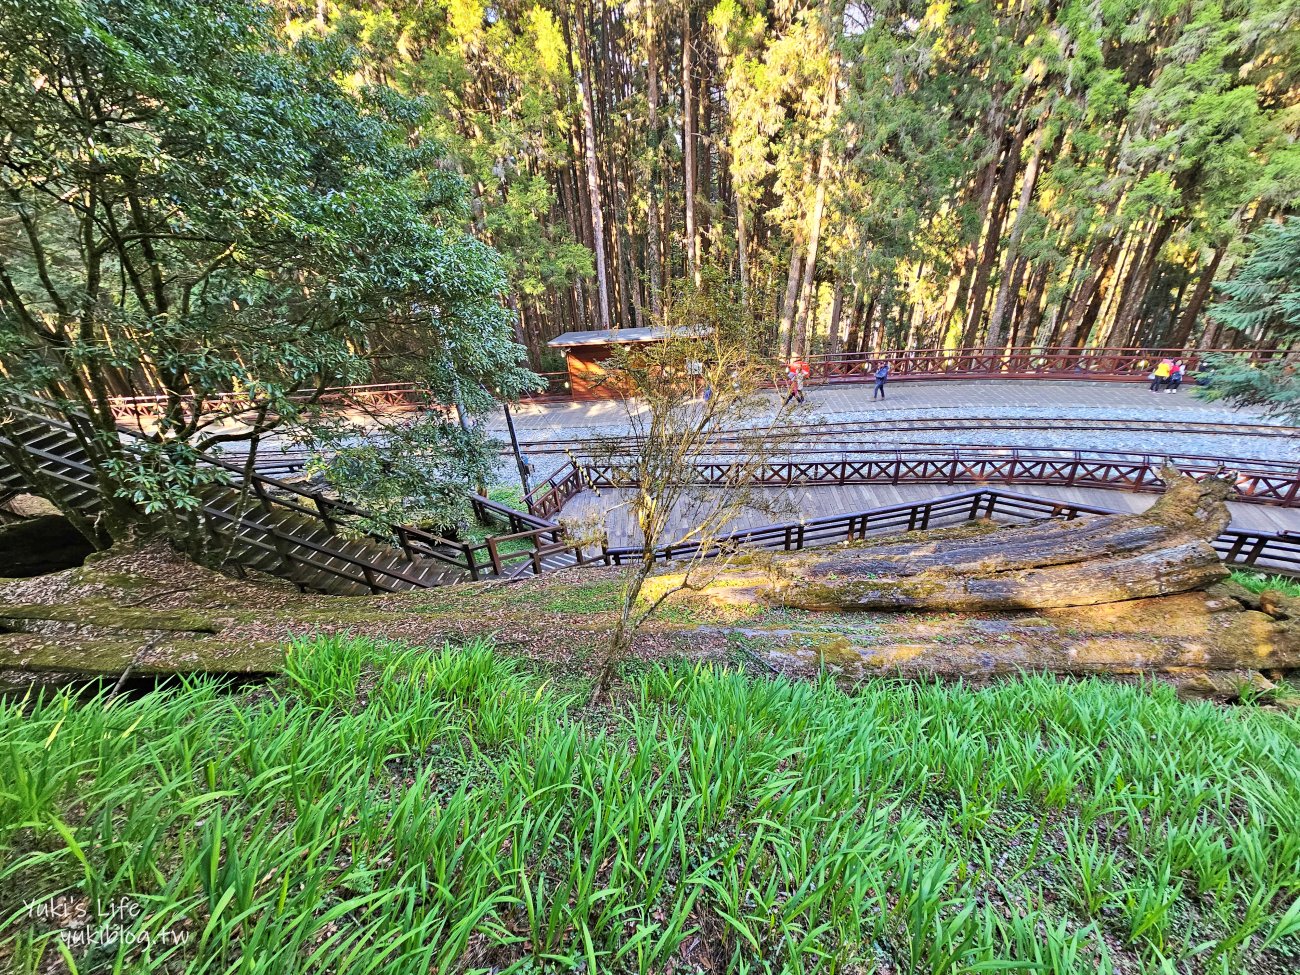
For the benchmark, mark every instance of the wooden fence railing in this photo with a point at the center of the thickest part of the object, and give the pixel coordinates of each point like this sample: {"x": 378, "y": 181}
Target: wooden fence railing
{"x": 373, "y": 396}
{"x": 548, "y": 498}
{"x": 1265, "y": 482}
{"x": 1026, "y": 362}
{"x": 534, "y": 541}
{"x": 530, "y": 538}
{"x": 1275, "y": 552}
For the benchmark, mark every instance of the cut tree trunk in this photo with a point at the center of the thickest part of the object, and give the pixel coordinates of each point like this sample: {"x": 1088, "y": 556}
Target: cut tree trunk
{"x": 1085, "y": 562}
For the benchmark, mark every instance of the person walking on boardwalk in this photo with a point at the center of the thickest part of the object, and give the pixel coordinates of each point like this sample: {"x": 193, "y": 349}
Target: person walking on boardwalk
{"x": 882, "y": 376}
{"x": 796, "y": 372}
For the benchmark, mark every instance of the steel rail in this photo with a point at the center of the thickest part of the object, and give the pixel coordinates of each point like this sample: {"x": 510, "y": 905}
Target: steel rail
{"x": 813, "y": 432}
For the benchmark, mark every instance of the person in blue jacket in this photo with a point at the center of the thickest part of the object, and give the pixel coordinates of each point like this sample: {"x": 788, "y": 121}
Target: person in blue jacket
{"x": 882, "y": 374}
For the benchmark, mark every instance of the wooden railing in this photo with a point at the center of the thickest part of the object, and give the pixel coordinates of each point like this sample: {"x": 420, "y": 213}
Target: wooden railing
{"x": 1263, "y": 482}
{"x": 1276, "y": 552}
{"x": 539, "y": 537}
{"x": 548, "y": 498}
{"x": 1024, "y": 362}
{"x": 543, "y": 537}
{"x": 387, "y": 397}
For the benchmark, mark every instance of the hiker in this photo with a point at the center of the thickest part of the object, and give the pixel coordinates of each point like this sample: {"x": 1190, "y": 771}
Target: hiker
{"x": 796, "y": 372}
{"x": 882, "y": 375}
{"x": 1176, "y": 376}
{"x": 1160, "y": 375}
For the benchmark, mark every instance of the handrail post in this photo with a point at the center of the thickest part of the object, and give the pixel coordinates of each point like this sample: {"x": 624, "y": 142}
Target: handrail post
{"x": 322, "y": 506}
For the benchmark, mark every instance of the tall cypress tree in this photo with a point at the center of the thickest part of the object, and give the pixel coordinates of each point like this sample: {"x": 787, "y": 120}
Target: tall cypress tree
{"x": 1263, "y": 298}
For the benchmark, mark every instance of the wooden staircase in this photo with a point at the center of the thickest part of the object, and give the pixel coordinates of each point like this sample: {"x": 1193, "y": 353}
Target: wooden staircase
{"x": 269, "y": 526}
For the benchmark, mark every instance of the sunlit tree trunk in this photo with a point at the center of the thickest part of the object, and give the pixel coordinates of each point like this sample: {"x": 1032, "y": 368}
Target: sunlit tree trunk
{"x": 593, "y": 174}
{"x": 786, "y": 331}
{"x": 688, "y": 149}
{"x": 800, "y": 343}
{"x": 993, "y": 235}
{"x": 654, "y": 255}
{"x": 1009, "y": 291}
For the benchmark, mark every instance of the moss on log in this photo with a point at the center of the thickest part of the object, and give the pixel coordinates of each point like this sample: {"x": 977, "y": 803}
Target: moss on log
{"x": 1087, "y": 561}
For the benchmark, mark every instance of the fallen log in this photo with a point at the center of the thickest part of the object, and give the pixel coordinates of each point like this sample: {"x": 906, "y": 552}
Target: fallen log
{"x": 1084, "y": 562}
{"x": 1204, "y": 644}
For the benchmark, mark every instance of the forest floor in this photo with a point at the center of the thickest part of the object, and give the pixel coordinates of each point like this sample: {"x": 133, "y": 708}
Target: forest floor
{"x": 419, "y": 806}
{"x": 419, "y": 782}
{"x": 149, "y": 612}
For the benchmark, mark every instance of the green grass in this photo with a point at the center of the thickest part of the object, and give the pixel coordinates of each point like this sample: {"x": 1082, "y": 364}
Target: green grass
{"x": 591, "y": 597}
{"x": 1258, "y": 582}
{"x": 511, "y": 495}
{"x": 391, "y": 809}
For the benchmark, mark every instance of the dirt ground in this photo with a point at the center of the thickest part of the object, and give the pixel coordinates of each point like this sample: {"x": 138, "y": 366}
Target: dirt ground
{"x": 150, "y": 612}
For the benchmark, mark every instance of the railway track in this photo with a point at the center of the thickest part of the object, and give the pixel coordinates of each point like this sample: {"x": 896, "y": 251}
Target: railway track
{"x": 810, "y": 433}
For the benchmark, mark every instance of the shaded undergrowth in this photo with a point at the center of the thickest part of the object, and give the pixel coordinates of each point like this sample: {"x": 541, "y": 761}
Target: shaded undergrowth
{"x": 384, "y": 808}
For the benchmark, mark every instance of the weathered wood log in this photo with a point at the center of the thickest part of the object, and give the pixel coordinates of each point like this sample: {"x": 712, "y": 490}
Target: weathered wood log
{"x": 1207, "y": 645}
{"x": 1088, "y": 561}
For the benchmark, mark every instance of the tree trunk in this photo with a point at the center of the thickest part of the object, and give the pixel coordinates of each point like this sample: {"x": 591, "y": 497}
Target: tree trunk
{"x": 653, "y": 247}
{"x": 833, "y": 338}
{"x": 593, "y": 174}
{"x": 1031, "y": 313}
{"x": 800, "y": 343}
{"x": 688, "y": 150}
{"x": 1187, "y": 321}
{"x": 1010, "y": 281}
{"x": 993, "y": 235}
{"x": 1085, "y": 562}
{"x": 742, "y": 250}
{"x": 786, "y": 332}
{"x": 1126, "y": 318}
{"x": 1085, "y": 300}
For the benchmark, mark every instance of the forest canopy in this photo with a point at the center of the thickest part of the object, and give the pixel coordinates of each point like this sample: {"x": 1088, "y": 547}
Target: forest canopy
{"x": 863, "y": 175}
{"x": 272, "y": 198}
{"x": 196, "y": 204}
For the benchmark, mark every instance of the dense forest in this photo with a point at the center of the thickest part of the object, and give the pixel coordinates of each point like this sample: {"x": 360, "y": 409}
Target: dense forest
{"x": 861, "y": 175}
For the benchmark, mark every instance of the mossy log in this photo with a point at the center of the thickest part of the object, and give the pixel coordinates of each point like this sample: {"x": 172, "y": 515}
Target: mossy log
{"x": 1203, "y": 644}
{"x": 1085, "y": 562}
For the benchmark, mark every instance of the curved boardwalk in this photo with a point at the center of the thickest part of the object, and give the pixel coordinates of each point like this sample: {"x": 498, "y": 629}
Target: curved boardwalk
{"x": 953, "y": 412}
{"x": 959, "y": 409}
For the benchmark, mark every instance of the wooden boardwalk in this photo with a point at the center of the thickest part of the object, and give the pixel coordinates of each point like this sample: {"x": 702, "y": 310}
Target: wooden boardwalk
{"x": 792, "y": 504}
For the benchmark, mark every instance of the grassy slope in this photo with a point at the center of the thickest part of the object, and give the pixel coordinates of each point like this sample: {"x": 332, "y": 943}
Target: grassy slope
{"x": 383, "y": 809}
{"x": 1258, "y": 582}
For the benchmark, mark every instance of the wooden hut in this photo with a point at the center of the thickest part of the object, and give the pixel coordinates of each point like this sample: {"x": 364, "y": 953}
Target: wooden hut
{"x": 585, "y": 354}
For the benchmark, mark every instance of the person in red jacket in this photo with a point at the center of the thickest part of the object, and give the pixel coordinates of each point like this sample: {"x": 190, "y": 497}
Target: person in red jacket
{"x": 796, "y": 372}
